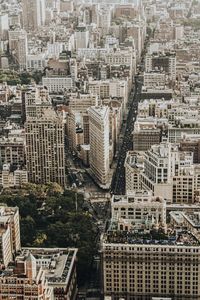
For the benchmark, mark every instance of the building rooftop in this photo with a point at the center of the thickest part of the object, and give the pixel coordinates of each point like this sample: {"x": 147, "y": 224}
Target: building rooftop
{"x": 193, "y": 219}
{"x": 177, "y": 216}
{"x": 100, "y": 111}
{"x": 140, "y": 196}
{"x": 57, "y": 263}
{"x": 161, "y": 54}
{"x": 134, "y": 160}
{"x": 152, "y": 237}
{"x": 11, "y": 140}
{"x": 7, "y": 211}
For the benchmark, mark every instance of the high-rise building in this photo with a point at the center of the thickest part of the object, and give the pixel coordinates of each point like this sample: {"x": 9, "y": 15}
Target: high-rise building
{"x": 134, "y": 166}
{"x": 9, "y": 234}
{"x": 104, "y": 16}
{"x": 144, "y": 257}
{"x": 78, "y": 120}
{"x": 36, "y": 61}
{"x": 36, "y": 100}
{"x": 124, "y": 56}
{"x": 99, "y": 143}
{"x": 110, "y": 88}
{"x": 191, "y": 143}
{"x": 45, "y": 151}
{"x": 178, "y": 32}
{"x": 138, "y": 32}
{"x": 18, "y": 47}
{"x": 33, "y": 12}
{"x": 138, "y": 269}
{"x": 4, "y": 26}
{"x": 81, "y": 37}
{"x": 75, "y": 130}
{"x": 166, "y": 171}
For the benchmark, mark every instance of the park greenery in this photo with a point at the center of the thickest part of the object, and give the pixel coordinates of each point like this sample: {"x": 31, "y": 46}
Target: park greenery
{"x": 51, "y": 217}
{"x": 13, "y": 78}
{"x": 194, "y": 23}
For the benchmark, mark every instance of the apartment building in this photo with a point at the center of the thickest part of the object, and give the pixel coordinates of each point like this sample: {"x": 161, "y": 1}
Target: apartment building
{"x": 12, "y": 151}
{"x": 137, "y": 31}
{"x": 81, "y": 37}
{"x": 155, "y": 79}
{"x": 191, "y": 143}
{"x": 92, "y": 53}
{"x": 134, "y": 166}
{"x": 9, "y": 234}
{"x": 104, "y": 17}
{"x": 122, "y": 57}
{"x": 9, "y": 178}
{"x": 109, "y": 88}
{"x": 162, "y": 62}
{"x": 81, "y": 102}
{"x": 45, "y": 153}
{"x": 56, "y": 84}
{"x": 166, "y": 171}
{"x": 189, "y": 126}
{"x": 145, "y": 135}
{"x": 41, "y": 273}
{"x": 165, "y": 166}
{"x": 106, "y": 89}
{"x": 128, "y": 10}
{"x": 35, "y": 102}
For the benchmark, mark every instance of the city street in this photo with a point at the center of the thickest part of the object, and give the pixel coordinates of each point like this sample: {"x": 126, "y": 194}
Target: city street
{"x": 118, "y": 182}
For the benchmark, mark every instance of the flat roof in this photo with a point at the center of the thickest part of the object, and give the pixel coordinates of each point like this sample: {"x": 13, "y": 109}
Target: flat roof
{"x": 59, "y": 262}
{"x": 153, "y": 237}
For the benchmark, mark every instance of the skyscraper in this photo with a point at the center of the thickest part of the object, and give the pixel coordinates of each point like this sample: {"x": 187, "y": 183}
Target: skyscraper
{"x": 4, "y": 25}
{"x": 18, "y": 47}
{"x": 99, "y": 143}
{"x": 33, "y": 12}
{"x": 45, "y": 148}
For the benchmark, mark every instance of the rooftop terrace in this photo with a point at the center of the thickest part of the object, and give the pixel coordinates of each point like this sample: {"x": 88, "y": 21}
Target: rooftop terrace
{"x": 152, "y": 237}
